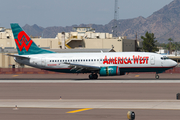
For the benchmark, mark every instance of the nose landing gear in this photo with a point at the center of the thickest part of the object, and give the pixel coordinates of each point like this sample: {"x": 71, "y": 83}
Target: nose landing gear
{"x": 157, "y": 76}
{"x": 93, "y": 76}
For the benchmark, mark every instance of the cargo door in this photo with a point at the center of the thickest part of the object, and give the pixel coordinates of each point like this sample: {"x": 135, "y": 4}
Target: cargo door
{"x": 152, "y": 60}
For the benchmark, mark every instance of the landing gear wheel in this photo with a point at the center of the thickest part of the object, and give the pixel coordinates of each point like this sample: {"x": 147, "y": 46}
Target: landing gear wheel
{"x": 93, "y": 76}
{"x": 157, "y": 76}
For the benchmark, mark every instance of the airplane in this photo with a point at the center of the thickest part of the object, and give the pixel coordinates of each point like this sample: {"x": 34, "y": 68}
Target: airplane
{"x": 102, "y": 63}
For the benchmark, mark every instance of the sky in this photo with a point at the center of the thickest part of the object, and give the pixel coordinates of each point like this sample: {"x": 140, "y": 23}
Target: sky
{"x": 48, "y": 13}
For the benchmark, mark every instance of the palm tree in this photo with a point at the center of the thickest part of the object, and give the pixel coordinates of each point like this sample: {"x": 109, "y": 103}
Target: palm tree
{"x": 170, "y": 40}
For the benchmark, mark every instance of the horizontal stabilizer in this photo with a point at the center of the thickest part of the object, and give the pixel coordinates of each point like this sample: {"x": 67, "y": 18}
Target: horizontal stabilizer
{"x": 18, "y": 56}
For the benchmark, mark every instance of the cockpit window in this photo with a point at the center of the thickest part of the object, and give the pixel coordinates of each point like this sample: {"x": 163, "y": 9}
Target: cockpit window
{"x": 164, "y": 58}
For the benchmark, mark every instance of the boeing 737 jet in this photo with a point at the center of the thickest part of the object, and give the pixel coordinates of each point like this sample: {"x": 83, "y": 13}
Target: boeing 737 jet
{"x": 104, "y": 64}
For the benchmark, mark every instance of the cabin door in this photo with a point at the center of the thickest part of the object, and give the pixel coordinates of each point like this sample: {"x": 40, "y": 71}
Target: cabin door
{"x": 43, "y": 61}
{"x": 152, "y": 60}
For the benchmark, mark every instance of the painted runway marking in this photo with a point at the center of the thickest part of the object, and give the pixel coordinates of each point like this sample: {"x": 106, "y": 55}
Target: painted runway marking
{"x": 15, "y": 75}
{"x": 136, "y": 75}
{"x": 80, "y": 110}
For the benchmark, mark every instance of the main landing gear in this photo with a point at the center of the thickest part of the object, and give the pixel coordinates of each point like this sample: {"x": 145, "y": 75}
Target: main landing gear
{"x": 93, "y": 76}
{"x": 157, "y": 76}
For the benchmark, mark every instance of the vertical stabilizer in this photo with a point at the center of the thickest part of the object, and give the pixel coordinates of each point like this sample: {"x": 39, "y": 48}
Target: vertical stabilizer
{"x": 25, "y": 45}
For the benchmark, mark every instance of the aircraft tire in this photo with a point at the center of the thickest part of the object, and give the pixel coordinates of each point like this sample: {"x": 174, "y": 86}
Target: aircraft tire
{"x": 93, "y": 76}
{"x": 157, "y": 76}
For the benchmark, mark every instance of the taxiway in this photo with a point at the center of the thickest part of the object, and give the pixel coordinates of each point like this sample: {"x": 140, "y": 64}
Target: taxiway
{"x": 76, "y": 97}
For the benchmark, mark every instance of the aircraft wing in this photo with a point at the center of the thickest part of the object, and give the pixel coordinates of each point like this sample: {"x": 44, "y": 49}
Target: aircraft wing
{"x": 80, "y": 67}
{"x": 18, "y": 56}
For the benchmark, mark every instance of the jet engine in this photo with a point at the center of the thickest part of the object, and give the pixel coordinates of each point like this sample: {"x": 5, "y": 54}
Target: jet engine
{"x": 109, "y": 71}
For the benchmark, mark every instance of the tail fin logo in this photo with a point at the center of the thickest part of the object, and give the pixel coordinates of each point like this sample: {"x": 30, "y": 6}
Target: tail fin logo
{"x": 23, "y": 40}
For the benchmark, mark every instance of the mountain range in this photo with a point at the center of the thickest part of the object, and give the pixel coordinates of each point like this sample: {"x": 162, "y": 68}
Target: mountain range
{"x": 164, "y": 23}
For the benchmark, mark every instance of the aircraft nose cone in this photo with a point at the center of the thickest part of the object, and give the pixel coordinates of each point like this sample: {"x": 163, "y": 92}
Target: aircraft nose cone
{"x": 174, "y": 63}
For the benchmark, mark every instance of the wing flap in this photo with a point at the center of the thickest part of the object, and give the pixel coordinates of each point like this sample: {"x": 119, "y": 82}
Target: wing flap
{"x": 80, "y": 67}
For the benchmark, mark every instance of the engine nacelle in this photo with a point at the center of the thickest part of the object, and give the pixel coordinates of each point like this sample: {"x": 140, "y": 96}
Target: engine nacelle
{"x": 109, "y": 71}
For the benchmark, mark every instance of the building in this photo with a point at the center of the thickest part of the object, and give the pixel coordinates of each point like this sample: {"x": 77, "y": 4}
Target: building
{"x": 162, "y": 51}
{"x": 86, "y": 37}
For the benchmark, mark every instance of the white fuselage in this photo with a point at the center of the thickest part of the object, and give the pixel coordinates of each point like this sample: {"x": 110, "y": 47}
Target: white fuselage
{"x": 131, "y": 60}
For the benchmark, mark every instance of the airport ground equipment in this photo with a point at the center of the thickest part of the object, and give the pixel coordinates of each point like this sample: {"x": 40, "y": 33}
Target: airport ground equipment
{"x": 131, "y": 115}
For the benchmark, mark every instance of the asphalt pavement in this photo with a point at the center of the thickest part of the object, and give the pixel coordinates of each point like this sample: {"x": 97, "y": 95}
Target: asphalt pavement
{"x": 72, "y": 96}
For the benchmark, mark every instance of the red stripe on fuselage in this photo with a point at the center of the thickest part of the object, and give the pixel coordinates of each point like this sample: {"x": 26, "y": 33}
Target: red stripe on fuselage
{"x": 120, "y": 67}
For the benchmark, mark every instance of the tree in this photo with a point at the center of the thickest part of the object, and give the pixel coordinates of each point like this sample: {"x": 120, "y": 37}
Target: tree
{"x": 170, "y": 40}
{"x": 149, "y": 42}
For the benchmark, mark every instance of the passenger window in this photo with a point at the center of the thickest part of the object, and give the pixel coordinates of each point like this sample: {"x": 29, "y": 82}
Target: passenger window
{"x": 65, "y": 60}
{"x": 91, "y": 59}
{"x": 97, "y": 59}
{"x": 94, "y": 59}
{"x": 50, "y": 60}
